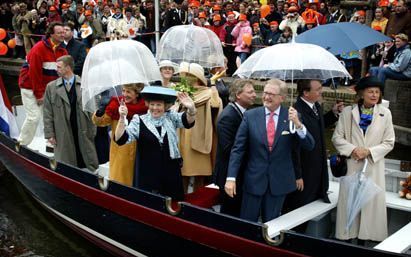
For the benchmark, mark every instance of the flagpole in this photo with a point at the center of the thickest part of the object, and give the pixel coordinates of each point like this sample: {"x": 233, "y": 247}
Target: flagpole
{"x": 157, "y": 21}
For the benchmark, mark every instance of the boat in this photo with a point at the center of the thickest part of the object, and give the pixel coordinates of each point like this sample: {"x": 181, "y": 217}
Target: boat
{"x": 126, "y": 221}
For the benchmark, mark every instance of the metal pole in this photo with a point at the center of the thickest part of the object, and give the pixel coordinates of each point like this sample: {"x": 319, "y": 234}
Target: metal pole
{"x": 157, "y": 21}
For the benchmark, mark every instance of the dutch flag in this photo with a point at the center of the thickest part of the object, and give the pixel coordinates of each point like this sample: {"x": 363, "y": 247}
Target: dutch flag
{"x": 8, "y": 123}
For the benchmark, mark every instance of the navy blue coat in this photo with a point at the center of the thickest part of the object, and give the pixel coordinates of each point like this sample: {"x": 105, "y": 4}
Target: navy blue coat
{"x": 264, "y": 169}
{"x": 78, "y": 51}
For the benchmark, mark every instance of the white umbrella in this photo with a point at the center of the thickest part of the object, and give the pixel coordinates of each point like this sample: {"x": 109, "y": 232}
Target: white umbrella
{"x": 192, "y": 44}
{"x": 114, "y": 63}
{"x": 292, "y": 61}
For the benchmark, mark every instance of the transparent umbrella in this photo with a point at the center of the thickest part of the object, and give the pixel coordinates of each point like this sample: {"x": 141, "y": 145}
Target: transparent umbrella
{"x": 360, "y": 190}
{"x": 292, "y": 61}
{"x": 192, "y": 44}
{"x": 113, "y": 63}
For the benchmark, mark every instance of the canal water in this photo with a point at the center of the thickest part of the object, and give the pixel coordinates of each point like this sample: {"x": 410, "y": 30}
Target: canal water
{"x": 26, "y": 230}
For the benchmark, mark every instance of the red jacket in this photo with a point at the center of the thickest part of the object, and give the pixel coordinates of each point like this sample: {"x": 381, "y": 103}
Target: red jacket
{"x": 42, "y": 65}
{"x": 24, "y": 78}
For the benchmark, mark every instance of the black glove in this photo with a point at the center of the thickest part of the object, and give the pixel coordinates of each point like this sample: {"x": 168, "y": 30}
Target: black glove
{"x": 100, "y": 112}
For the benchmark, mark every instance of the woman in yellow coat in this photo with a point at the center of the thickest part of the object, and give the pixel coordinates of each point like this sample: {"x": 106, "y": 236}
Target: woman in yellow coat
{"x": 122, "y": 158}
{"x": 198, "y": 144}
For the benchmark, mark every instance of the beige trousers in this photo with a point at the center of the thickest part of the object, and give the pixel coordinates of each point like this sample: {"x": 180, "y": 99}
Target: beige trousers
{"x": 34, "y": 113}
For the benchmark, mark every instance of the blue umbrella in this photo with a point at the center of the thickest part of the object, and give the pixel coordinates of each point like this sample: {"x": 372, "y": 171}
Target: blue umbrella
{"x": 342, "y": 37}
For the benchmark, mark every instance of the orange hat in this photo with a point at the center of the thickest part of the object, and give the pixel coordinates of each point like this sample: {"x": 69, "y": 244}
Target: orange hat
{"x": 377, "y": 28}
{"x": 126, "y": 1}
{"x": 207, "y": 3}
{"x": 217, "y": 17}
{"x": 230, "y": 13}
{"x": 242, "y": 17}
{"x": 216, "y": 7}
{"x": 274, "y": 23}
{"x": 292, "y": 9}
{"x": 256, "y": 24}
{"x": 195, "y": 4}
{"x": 52, "y": 8}
{"x": 360, "y": 13}
{"x": 383, "y": 3}
{"x": 202, "y": 15}
{"x": 88, "y": 13}
{"x": 65, "y": 6}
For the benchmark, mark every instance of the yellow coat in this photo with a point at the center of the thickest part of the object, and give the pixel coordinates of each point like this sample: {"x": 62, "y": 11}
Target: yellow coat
{"x": 382, "y": 23}
{"x": 198, "y": 144}
{"x": 122, "y": 158}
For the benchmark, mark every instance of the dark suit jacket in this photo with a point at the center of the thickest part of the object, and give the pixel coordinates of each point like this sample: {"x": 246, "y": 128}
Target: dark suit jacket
{"x": 172, "y": 19}
{"x": 78, "y": 51}
{"x": 227, "y": 125}
{"x": 312, "y": 164}
{"x": 264, "y": 169}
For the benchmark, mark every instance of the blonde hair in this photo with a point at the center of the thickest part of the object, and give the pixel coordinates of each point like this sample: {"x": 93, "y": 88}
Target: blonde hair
{"x": 402, "y": 36}
{"x": 137, "y": 87}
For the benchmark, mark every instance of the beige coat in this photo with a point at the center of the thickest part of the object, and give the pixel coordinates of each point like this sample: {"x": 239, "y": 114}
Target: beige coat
{"x": 371, "y": 223}
{"x": 198, "y": 144}
{"x": 57, "y": 124}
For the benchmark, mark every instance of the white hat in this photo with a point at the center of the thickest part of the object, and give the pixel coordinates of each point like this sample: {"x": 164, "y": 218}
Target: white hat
{"x": 167, "y": 63}
{"x": 86, "y": 31}
{"x": 193, "y": 69}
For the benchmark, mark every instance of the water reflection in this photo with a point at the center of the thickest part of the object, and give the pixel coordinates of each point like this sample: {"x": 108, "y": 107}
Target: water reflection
{"x": 28, "y": 230}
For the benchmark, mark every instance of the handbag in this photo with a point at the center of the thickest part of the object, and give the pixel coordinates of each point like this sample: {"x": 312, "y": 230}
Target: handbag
{"x": 338, "y": 162}
{"x": 338, "y": 165}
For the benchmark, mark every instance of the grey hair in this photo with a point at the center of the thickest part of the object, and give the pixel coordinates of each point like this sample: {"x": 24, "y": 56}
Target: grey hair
{"x": 280, "y": 84}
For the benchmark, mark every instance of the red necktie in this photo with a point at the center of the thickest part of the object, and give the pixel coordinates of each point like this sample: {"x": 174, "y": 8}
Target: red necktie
{"x": 271, "y": 130}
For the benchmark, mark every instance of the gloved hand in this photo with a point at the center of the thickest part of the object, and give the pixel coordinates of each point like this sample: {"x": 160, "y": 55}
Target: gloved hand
{"x": 217, "y": 76}
{"x": 100, "y": 111}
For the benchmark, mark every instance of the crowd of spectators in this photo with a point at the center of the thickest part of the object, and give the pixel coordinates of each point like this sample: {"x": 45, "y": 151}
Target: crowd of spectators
{"x": 235, "y": 22}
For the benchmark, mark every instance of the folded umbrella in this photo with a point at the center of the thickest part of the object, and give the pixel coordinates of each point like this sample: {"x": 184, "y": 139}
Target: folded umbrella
{"x": 360, "y": 190}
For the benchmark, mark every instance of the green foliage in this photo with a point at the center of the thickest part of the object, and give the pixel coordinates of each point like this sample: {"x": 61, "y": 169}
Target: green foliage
{"x": 184, "y": 86}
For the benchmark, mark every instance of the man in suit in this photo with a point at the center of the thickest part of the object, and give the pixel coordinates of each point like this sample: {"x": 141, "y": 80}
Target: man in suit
{"x": 75, "y": 48}
{"x": 312, "y": 170}
{"x": 242, "y": 96}
{"x": 172, "y": 16}
{"x": 264, "y": 136}
{"x": 66, "y": 126}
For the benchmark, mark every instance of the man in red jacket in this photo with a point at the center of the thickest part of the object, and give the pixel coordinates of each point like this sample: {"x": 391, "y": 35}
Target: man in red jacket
{"x": 42, "y": 69}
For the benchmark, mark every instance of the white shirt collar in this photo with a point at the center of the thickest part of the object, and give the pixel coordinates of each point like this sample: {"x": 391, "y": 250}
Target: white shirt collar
{"x": 242, "y": 109}
{"x": 277, "y": 111}
{"x": 309, "y": 103}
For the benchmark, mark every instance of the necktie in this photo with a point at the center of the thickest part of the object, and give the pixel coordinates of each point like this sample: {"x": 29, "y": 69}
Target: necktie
{"x": 68, "y": 85}
{"x": 315, "y": 110}
{"x": 271, "y": 131}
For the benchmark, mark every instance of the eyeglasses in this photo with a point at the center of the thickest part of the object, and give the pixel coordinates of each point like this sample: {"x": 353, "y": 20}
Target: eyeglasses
{"x": 270, "y": 94}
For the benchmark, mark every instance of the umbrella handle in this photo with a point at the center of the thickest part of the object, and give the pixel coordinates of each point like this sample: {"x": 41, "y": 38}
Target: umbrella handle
{"x": 291, "y": 127}
{"x": 365, "y": 165}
